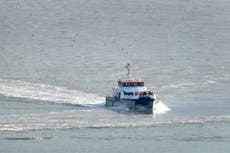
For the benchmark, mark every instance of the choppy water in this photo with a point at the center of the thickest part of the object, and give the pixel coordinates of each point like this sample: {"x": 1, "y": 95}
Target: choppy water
{"x": 58, "y": 60}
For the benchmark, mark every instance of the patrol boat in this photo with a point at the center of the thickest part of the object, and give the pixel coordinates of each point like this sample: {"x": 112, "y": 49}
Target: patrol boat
{"x": 132, "y": 94}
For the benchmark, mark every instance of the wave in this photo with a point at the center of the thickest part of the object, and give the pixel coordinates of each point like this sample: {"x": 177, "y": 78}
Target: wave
{"x": 45, "y": 92}
{"x": 206, "y": 80}
{"x": 27, "y": 138}
{"x": 179, "y": 85}
{"x": 58, "y": 122}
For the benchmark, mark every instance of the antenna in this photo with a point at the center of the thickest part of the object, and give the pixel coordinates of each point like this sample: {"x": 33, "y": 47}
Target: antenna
{"x": 128, "y": 69}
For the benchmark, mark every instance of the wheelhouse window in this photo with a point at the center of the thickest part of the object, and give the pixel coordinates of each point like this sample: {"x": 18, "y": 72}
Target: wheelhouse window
{"x": 130, "y": 84}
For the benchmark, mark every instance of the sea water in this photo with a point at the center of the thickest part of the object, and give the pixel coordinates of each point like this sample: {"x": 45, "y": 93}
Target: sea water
{"x": 59, "y": 59}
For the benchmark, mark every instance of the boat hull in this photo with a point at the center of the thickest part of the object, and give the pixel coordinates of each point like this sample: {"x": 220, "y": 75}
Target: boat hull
{"x": 142, "y": 104}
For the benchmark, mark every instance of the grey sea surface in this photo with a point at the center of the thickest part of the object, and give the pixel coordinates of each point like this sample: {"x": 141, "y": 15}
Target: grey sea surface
{"x": 59, "y": 59}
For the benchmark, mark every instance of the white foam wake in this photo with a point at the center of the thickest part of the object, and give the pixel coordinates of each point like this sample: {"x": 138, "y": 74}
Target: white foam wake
{"x": 45, "y": 92}
{"x": 160, "y": 108}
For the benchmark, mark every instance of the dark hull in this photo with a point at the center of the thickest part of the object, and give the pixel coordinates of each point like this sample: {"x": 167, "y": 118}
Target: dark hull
{"x": 143, "y": 104}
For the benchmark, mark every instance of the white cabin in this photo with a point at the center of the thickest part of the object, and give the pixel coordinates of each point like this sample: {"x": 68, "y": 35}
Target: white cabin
{"x": 131, "y": 89}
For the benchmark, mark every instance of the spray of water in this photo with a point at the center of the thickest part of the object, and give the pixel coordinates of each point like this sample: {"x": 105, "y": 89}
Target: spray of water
{"x": 160, "y": 108}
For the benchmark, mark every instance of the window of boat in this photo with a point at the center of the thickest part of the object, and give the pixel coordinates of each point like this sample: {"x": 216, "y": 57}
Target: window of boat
{"x": 128, "y": 93}
{"x": 121, "y": 84}
{"x": 140, "y": 84}
{"x": 130, "y": 84}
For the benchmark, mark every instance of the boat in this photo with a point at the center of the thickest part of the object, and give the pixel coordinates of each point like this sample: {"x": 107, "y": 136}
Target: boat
{"x": 132, "y": 94}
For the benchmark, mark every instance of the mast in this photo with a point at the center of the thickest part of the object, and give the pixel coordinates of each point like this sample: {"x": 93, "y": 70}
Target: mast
{"x": 128, "y": 69}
